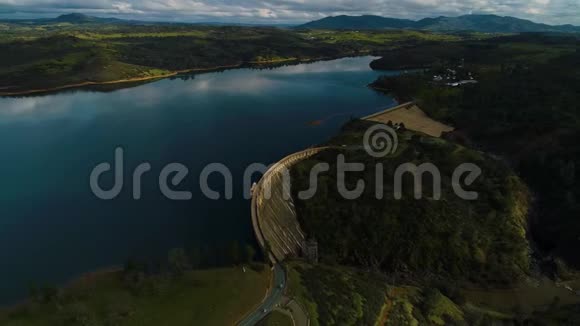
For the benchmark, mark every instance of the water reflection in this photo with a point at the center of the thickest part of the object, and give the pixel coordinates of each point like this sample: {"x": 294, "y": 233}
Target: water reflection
{"x": 241, "y": 81}
{"x": 51, "y": 143}
{"x": 342, "y": 65}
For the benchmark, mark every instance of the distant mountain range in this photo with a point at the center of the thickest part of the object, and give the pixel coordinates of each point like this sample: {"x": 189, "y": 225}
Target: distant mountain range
{"x": 475, "y": 23}
{"x": 69, "y": 18}
{"x": 81, "y": 19}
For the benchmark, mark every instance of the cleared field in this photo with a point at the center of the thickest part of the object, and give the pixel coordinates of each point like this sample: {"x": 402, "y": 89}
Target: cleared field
{"x": 413, "y": 118}
{"x": 212, "y": 297}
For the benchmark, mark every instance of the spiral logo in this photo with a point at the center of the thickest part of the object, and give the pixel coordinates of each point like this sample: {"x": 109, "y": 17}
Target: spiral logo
{"x": 380, "y": 141}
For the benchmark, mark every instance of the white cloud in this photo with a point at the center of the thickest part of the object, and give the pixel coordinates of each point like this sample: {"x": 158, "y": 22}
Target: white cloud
{"x": 548, "y": 11}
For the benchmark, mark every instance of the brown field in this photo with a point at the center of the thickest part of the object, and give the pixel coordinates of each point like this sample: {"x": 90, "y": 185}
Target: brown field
{"x": 413, "y": 118}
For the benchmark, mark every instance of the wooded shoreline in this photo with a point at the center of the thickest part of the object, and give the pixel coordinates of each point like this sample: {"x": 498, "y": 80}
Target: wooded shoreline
{"x": 164, "y": 76}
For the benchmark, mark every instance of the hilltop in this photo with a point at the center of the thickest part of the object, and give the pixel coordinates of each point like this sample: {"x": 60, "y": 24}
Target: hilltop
{"x": 481, "y": 242}
{"x": 81, "y": 18}
{"x": 359, "y": 22}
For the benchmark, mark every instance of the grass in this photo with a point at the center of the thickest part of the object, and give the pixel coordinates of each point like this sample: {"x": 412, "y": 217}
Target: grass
{"x": 212, "y": 297}
{"x": 276, "y": 318}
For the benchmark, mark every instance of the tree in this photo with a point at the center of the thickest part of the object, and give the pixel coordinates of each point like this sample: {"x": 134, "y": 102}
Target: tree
{"x": 178, "y": 261}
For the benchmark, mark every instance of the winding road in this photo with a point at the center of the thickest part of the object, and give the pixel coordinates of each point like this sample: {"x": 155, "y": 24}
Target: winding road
{"x": 273, "y": 298}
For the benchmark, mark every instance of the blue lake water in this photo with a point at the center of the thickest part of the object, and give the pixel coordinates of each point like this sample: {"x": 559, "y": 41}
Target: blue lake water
{"x": 52, "y": 228}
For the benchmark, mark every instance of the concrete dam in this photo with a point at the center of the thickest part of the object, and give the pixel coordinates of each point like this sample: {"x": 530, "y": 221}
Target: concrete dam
{"x": 273, "y": 213}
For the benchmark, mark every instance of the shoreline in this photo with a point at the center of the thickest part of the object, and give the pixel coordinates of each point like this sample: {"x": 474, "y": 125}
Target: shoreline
{"x": 163, "y": 76}
{"x": 118, "y": 81}
{"x": 112, "y": 269}
{"x": 71, "y": 282}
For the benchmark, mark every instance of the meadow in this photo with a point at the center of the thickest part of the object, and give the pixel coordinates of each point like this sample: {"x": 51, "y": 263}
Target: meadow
{"x": 205, "y": 297}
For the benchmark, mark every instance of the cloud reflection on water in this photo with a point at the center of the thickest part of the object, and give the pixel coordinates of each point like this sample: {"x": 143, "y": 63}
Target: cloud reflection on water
{"x": 251, "y": 82}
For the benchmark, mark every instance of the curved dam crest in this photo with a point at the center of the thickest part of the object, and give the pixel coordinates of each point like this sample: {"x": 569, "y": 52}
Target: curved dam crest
{"x": 273, "y": 212}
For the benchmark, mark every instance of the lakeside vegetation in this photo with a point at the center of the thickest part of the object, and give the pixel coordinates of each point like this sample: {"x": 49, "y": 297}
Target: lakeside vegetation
{"x": 526, "y": 107}
{"x": 43, "y": 56}
{"x": 175, "y": 292}
{"x": 206, "y": 297}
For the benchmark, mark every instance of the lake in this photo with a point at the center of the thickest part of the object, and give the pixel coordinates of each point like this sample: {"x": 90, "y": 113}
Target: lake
{"x": 52, "y": 227}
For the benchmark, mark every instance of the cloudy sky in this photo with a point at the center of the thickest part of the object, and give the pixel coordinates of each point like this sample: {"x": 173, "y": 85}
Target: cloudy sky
{"x": 292, "y": 11}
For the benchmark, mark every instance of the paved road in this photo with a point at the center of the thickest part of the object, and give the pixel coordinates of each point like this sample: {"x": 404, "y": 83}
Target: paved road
{"x": 274, "y": 297}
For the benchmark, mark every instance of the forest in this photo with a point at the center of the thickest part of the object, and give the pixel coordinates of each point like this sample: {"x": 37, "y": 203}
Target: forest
{"x": 525, "y": 108}
{"x": 52, "y": 55}
{"x": 338, "y": 295}
{"x": 481, "y": 241}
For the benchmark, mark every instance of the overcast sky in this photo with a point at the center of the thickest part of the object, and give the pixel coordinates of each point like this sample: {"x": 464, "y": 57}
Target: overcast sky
{"x": 292, "y": 11}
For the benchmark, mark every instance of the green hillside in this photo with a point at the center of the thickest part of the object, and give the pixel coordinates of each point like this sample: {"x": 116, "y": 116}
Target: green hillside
{"x": 524, "y": 107}
{"x": 337, "y": 295}
{"x": 481, "y": 241}
{"x": 50, "y": 54}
